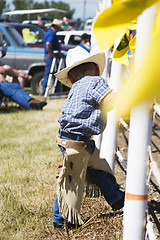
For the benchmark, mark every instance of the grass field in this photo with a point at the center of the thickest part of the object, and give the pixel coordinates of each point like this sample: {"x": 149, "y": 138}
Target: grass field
{"x": 29, "y": 160}
{"x": 28, "y": 169}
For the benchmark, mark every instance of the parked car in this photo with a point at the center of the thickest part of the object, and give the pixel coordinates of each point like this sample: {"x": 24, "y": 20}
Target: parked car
{"x": 88, "y": 24}
{"x": 32, "y": 35}
{"x": 71, "y": 37}
{"x": 3, "y": 47}
{"x": 20, "y": 56}
{"x": 28, "y": 57}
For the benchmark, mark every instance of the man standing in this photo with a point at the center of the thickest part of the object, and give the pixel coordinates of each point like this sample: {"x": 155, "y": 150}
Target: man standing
{"x": 51, "y": 44}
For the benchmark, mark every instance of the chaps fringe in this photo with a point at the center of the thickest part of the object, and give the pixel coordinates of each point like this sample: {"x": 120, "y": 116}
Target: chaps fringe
{"x": 72, "y": 215}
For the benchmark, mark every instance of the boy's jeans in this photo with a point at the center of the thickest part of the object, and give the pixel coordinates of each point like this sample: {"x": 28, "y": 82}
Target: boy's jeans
{"x": 109, "y": 189}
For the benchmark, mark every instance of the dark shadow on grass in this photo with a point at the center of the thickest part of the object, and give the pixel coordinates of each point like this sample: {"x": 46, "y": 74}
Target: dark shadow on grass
{"x": 155, "y": 186}
{"x": 153, "y": 209}
{"x": 126, "y": 139}
{"x": 155, "y": 125}
{"x": 107, "y": 215}
{"x": 111, "y": 214}
{"x": 10, "y": 109}
{"x": 158, "y": 150}
{"x": 156, "y": 134}
{"x": 120, "y": 165}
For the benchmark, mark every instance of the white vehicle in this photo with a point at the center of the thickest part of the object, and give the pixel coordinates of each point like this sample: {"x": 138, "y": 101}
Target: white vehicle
{"x": 35, "y": 22}
{"x": 88, "y": 24}
{"x": 71, "y": 37}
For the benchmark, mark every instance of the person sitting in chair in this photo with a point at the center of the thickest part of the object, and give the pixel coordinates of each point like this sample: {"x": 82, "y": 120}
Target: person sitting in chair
{"x": 14, "y": 89}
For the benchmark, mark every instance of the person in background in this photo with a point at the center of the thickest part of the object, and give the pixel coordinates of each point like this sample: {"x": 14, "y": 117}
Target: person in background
{"x": 51, "y": 44}
{"x": 14, "y": 89}
{"x": 16, "y": 75}
{"x": 85, "y": 42}
{"x": 89, "y": 97}
{"x": 17, "y": 94}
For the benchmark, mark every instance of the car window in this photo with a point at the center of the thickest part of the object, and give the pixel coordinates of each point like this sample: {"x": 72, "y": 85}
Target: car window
{"x": 74, "y": 40}
{"x": 61, "y": 38}
{"x": 15, "y": 36}
{"x": 31, "y": 34}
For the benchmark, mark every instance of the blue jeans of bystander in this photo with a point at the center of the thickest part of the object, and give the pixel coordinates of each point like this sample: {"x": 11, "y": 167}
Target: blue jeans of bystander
{"x": 16, "y": 93}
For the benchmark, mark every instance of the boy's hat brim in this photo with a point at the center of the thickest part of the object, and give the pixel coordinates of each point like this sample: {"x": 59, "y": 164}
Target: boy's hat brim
{"x": 98, "y": 59}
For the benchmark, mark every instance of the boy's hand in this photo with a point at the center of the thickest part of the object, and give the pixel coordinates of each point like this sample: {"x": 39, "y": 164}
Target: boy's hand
{"x": 108, "y": 103}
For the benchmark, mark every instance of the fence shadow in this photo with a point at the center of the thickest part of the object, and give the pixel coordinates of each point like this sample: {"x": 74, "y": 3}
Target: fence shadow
{"x": 154, "y": 208}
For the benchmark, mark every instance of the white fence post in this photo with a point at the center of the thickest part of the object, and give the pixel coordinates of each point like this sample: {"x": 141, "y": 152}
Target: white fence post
{"x": 107, "y": 142}
{"x": 103, "y": 4}
{"x": 139, "y": 139}
{"x": 109, "y": 136}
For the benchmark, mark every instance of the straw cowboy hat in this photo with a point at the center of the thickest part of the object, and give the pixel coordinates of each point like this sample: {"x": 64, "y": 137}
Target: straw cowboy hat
{"x": 58, "y": 23}
{"x": 75, "y": 57}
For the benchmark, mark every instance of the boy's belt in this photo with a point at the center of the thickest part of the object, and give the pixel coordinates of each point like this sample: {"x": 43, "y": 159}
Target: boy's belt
{"x": 75, "y": 137}
{"x": 77, "y": 145}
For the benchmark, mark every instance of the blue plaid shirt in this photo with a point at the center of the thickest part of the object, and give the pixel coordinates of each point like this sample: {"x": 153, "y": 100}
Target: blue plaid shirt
{"x": 80, "y": 113}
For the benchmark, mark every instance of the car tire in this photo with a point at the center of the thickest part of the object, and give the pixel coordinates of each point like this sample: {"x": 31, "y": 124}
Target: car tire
{"x": 36, "y": 83}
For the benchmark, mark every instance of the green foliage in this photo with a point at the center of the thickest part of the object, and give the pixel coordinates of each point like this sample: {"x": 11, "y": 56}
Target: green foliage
{"x": 63, "y": 6}
{"x": 37, "y": 5}
{"x": 2, "y": 6}
{"x": 19, "y": 4}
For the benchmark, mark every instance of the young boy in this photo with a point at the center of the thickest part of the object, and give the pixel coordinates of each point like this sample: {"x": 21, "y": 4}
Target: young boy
{"x": 81, "y": 119}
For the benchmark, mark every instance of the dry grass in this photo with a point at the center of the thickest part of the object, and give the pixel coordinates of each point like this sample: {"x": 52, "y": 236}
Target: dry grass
{"x": 29, "y": 158}
{"x": 28, "y": 163}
